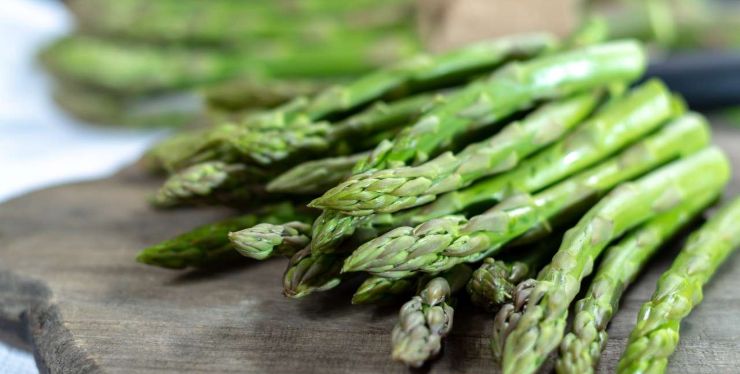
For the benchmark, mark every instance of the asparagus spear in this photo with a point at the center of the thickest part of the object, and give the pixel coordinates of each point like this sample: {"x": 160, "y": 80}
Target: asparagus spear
{"x": 306, "y": 274}
{"x": 209, "y": 244}
{"x": 494, "y": 282}
{"x": 389, "y": 190}
{"x": 268, "y": 143}
{"x": 581, "y": 349}
{"x": 427, "y": 72}
{"x": 219, "y": 181}
{"x": 264, "y": 240}
{"x": 427, "y": 318}
{"x": 376, "y": 290}
{"x": 313, "y": 177}
{"x": 165, "y": 155}
{"x": 255, "y": 91}
{"x": 210, "y": 181}
{"x": 103, "y": 107}
{"x": 508, "y": 316}
{"x": 233, "y": 22}
{"x": 679, "y": 290}
{"x": 443, "y": 242}
{"x": 134, "y": 69}
{"x": 540, "y": 329}
{"x": 504, "y": 92}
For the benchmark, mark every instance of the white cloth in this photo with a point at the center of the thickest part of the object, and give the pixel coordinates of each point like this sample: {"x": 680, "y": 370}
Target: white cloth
{"x": 40, "y": 145}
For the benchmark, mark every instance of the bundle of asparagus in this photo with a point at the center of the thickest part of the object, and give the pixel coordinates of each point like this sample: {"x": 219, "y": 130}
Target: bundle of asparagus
{"x": 462, "y": 172}
{"x": 131, "y": 61}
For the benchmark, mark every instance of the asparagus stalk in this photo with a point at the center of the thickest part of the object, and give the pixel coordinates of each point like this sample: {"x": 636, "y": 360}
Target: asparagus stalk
{"x": 165, "y": 155}
{"x": 268, "y": 143}
{"x": 208, "y": 182}
{"x": 427, "y": 318}
{"x": 427, "y": 72}
{"x": 443, "y": 242}
{"x": 581, "y": 349}
{"x": 230, "y": 22}
{"x": 255, "y": 91}
{"x": 103, "y": 107}
{"x": 264, "y": 240}
{"x": 375, "y": 290}
{"x": 510, "y": 89}
{"x": 618, "y": 124}
{"x": 540, "y": 328}
{"x": 679, "y": 290}
{"x": 134, "y": 69}
{"x": 389, "y": 190}
{"x": 508, "y": 316}
{"x": 219, "y": 181}
{"x": 209, "y": 244}
{"x": 313, "y": 177}
{"x": 306, "y": 274}
{"x": 494, "y": 282}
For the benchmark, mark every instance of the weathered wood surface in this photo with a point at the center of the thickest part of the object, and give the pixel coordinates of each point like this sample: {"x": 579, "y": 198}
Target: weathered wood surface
{"x": 70, "y": 289}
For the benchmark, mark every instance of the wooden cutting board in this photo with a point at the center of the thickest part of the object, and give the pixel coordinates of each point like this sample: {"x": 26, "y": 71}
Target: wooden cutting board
{"x": 71, "y": 292}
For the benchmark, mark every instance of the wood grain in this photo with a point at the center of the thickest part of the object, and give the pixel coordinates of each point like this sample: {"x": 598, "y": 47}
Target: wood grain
{"x": 70, "y": 289}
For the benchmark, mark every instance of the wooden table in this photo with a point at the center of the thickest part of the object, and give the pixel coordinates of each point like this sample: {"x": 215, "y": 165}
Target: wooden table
{"x": 71, "y": 292}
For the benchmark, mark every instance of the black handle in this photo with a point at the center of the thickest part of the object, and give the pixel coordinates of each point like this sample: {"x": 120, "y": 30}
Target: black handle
{"x": 707, "y": 79}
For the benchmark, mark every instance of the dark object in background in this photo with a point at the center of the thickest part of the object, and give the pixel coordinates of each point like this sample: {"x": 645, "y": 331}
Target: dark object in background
{"x": 707, "y": 79}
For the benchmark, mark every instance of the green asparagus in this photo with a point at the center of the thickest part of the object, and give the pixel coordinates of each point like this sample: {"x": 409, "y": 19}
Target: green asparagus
{"x": 541, "y": 326}
{"x": 255, "y": 91}
{"x": 443, "y": 242}
{"x": 233, "y": 22}
{"x": 165, "y": 155}
{"x": 314, "y": 177}
{"x": 135, "y": 69}
{"x": 268, "y": 143}
{"x": 209, "y": 244}
{"x": 510, "y": 89}
{"x": 494, "y": 282}
{"x": 375, "y": 290}
{"x": 679, "y": 290}
{"x": 508, "y": 316}
{"x": 307, "y": 274}
{"x": 427, "y": 318}
{"x": 97, "y": 106}
{"x": 581, "y": 349}
{"x": 264, "y": 240}
{"x": 209, "y": 181}
{"x": 387, "y": 189}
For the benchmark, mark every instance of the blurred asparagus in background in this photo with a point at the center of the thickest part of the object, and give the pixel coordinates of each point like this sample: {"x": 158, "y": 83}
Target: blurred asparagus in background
{"x": 672, "y": 24}
{"x": 243, "y": 55}
{"x": 235, "y": 22}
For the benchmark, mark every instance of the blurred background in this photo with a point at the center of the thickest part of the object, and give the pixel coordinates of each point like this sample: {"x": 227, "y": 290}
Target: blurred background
{"x": 87, "y": 85}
